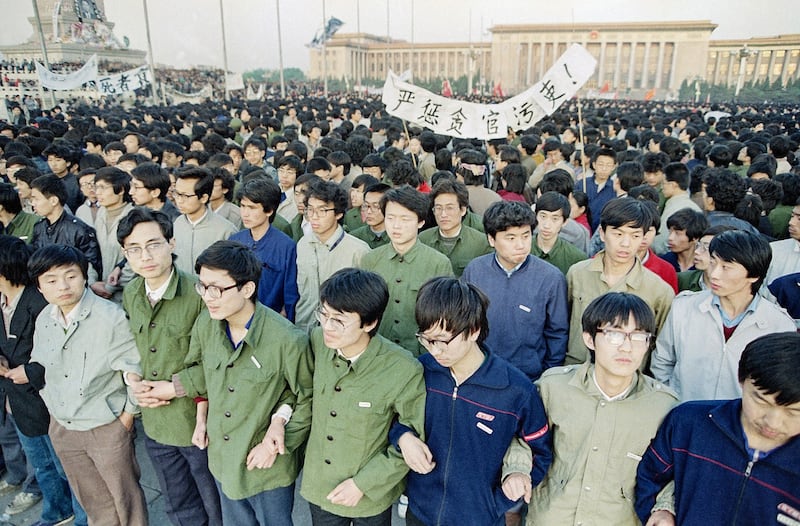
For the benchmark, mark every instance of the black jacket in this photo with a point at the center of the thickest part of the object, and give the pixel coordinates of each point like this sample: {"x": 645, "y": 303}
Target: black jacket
{"x": 69, "y": 230}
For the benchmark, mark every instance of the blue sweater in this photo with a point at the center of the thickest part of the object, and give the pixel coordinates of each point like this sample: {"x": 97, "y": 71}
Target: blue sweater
{"x": 528, "y": 312}
{"x": 277, "y": 288}
{"x": 701, "y": 446}
{"x": 469, "y": 428}
{"x": 597, "y": 200}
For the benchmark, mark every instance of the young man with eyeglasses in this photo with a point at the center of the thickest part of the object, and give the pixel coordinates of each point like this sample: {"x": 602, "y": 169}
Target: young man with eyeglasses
{"x": 599, "y": 187}
{"x": 162, "y": 306}
{"x": 460, "y": 243}
{"x": 149, "y": 188}
{"x": 328, "y": 249}
{"x": 405, "y": 263}
{"x": 254, "y": 368}
{"x": 476, "y": 402}
{"x": 277, "y": 287}
{"x": 528, "y": 309}
{"x": 198, "y": 227}
{"x": 362, "y": 385}
{"x": 698, "y": 350}
{"x": 373, "y": 233}
{"x": 603, "y": 414}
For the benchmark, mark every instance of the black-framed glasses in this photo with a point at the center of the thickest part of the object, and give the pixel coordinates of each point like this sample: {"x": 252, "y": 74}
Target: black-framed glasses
{"x": 316, "y": 212}
{"x": 214, "y": 292}
{"x": 439, "y": 345}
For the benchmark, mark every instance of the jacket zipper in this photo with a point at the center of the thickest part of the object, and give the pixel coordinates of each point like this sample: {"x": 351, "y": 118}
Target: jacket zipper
{"x": 449, "y": 450}
{"x": 747, "y": 472}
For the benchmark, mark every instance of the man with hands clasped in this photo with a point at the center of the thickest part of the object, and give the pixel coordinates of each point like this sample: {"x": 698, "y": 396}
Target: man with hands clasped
{"x": 477, "y": 404}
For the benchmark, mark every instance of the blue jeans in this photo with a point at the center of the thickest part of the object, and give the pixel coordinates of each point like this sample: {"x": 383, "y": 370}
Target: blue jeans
{"x": 58, "y": 502}
{"x": 191, "y": 496}
{"x": 269, "y": 508}
{"x": 19, "y": 471}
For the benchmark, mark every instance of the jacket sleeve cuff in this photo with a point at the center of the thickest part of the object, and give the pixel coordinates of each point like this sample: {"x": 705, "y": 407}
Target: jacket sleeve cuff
{"x": 180, "y": 390}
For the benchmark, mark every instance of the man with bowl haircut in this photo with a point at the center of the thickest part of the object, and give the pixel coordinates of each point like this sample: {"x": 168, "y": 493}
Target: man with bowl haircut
{"x": 603, "y": 414}
{"x": 405, "y": 263}
{"x": 362, "y": 385}
{"x": 528, "y": 309}
{"x": 732, "y": 461}
{"x": 90, "y": 369}
{"x": 162, "y": 307}
{"x": 253, "y": 366}
{"x": 477, "y": 404}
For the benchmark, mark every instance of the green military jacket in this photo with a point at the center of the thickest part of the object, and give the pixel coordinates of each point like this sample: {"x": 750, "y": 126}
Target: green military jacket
{"x": 563, "y": 255}
{"x": 355, "y": 404}
{"x": 283, "y": 225}
{"x": 473, "y": 220}
{"x": 22, "y": 226}
{"x": 469, "y": 244}
{"x": 162, "y": 336}
{"x": 352, "y": 220}
{"x": 369, "y": 237}
{"x": 244, "y": 387}
{"x": 404, "y": 275}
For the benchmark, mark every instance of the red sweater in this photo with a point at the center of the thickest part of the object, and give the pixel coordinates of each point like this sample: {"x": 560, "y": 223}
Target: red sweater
{"x": 663, "y": 268}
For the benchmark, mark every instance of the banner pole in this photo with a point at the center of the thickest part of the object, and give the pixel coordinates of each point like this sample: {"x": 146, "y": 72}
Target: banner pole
{"x": 44, "y": 50}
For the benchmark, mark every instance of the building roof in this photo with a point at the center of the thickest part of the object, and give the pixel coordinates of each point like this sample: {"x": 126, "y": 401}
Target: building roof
{"x": 679, "y": 25}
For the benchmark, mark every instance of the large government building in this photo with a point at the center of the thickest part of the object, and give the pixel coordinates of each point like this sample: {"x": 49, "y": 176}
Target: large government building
{"x": 632, "y": 57}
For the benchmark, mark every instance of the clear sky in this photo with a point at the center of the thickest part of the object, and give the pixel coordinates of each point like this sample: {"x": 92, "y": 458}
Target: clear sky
{"x": 187, "y": 32}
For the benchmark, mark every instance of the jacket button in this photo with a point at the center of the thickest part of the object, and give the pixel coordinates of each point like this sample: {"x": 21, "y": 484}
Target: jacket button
{"x": 397, "y": 301}
{"x": 230, "y": 388}
{"x": 333, "y": 414}
{"x": 154, "y": 374}
{"x": 330, "y": 438}
{"x": 226, "y": 437}
{"x": 152, "y": 349}
{"x": 398, "y": 280}
{"x": 337, "y": 389}
{"x": 327, "y": 461}
{"x": 397, "y": 321}
{"x": 230, "y": 365}
{"x": 152, "y": 325}
{"x": 228, "y": 414}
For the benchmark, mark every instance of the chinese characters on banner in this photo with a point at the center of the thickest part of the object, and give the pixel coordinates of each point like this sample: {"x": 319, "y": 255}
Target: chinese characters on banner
{"x": 124, "y": 82}
{"x": 68, "y": 81}
{"x": 490, "y": 121}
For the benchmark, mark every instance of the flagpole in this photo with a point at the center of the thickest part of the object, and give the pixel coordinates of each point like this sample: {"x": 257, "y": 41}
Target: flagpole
{"x": 358, "y": 44}
{"x": 280, "y": 47}
{"x": 224, "y": 50}
{"x": 44, "y": 50}
{"x": 150, "y": 53}
{"x": 324, "y": 54}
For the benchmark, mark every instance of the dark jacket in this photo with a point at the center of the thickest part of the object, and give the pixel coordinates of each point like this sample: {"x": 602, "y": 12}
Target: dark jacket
{"x": 29, "y": 410}
{"x": 69, "y": 230}
{"x": 701, "y": 446}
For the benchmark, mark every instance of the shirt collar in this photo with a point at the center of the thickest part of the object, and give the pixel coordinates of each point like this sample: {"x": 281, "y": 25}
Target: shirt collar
{"x": 509, "y": 273}
{"x": 728, "y": 322}
{"x": 157, "y": 294}
{"x": 69, "y": 319}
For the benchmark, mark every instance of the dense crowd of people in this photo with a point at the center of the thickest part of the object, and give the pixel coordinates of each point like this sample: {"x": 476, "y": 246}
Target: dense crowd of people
{"x": 591, "y": 321}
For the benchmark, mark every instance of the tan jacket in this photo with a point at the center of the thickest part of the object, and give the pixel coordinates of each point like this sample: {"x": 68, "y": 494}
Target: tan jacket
{"x": 597, "y": 445}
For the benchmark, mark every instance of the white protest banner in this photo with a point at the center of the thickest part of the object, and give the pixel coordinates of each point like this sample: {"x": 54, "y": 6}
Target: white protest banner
{"x": 192, "y": 98}
{"x": 234, "y": 81}
{"x": 442, "y": 115}
{"x": 490, "y": 121}
{"x": 124, "y": 82}
{"x": 67, "y": 81}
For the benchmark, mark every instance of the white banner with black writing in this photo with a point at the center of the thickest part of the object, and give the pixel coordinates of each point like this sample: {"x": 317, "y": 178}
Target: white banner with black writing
{"x": 124, "y": 82}
{"x": 68, "y": 81}
{"x": 490, "y": 121}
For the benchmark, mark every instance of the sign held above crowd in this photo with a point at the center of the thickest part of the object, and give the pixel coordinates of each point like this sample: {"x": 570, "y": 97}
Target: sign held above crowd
{"x": 68, "y": 81}
{"x": 490, "y": 121}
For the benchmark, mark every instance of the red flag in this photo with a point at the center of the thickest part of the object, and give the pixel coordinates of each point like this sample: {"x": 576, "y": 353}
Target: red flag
{"x": 497, "y": 91}
{"x": 447, "y": 91}
{"x": 606, "y": 88}
{"x": 650, "y": 94}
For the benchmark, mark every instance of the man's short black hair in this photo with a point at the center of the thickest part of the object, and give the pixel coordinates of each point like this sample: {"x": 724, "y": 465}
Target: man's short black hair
{"x": 49, "y": 185}
{"x": 454, "y": 305}
{"x": 615, "y": 308}
{"x": 119, "y": 180}
{"x": 502, "y": 215}
{"x": 750, "y": 250}
{"x": 264, "y": 191}
{"x": 692, "y": 222}
{"x": 329, "y": 192}
{"x": 358, "y": 291}
{"x": 630, "y": 174}
{"x": 241, "y": 263}
{"x": 726, "y": 189}
{"x": 626, "y": 211}
{"x": 558, "y": 180}
{"x": 14, "y": 254}
{"x": 141, "y": 214}
{"x": 9, "y": 199}
{"x": 677, "y": 173}
{"x": 54, "y": 256}
{"x": 552, "y": 202}
{"x": 153, "y": 177}
{"x": 409, "y": 198}
{"x": 204, "y": 181}
{"x": 450, "y": 186}
{"x": 771, "y": 362}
